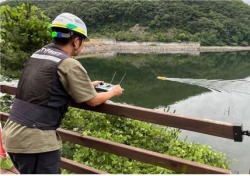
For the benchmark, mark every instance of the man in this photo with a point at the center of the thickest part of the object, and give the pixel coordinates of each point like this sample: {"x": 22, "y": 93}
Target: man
{"x": 51, "y": 77}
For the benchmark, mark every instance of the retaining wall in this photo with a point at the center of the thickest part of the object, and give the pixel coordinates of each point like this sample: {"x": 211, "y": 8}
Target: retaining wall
{"x": 194, "y": 48}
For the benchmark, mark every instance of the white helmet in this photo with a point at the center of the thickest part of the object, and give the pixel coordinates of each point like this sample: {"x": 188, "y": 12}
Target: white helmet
{"x": 71, "y": 22}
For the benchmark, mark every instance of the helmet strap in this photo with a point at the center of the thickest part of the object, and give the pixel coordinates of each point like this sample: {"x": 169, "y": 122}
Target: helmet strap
{"x": 56, "y": 34}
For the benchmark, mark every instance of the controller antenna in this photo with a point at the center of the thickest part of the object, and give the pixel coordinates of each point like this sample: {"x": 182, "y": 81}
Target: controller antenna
{"x": 112, "y": 78}
{"x": 122, "y": 79}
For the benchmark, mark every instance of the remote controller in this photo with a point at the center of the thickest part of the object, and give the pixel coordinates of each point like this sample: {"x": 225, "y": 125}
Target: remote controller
{"x": 105, "y": 87}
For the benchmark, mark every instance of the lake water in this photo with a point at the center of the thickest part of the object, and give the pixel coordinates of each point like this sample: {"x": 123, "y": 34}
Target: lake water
{"x": 210, "y": 85}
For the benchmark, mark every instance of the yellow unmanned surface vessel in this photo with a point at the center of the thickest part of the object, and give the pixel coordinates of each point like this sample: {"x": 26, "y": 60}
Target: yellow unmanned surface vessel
{"x": 162, "y": 78}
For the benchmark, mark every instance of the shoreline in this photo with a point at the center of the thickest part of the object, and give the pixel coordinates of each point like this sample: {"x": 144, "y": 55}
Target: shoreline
{"x": 224, "y": 48}
{"x": 193, "y": 48}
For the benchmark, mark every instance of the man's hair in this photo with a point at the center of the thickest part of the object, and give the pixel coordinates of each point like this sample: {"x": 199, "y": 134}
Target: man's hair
{"x": 64, "y": 41}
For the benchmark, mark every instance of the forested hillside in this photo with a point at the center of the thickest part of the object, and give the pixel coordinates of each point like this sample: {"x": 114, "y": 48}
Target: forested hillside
{"x": 209, "y": 22}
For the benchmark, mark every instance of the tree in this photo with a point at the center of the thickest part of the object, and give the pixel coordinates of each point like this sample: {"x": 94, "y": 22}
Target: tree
{"x": 227, "y": 21}
{"x": 23, "y": 31}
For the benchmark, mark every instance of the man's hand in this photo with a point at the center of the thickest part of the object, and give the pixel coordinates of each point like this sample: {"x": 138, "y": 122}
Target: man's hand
{"x": 117, "y": 90}
{"x": 95, "y": 83}
{"x": 101, "y": 97}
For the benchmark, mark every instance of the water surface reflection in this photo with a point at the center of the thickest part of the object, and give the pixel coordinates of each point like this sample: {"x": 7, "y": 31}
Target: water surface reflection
{"x": 213, "y": 85}
{"x": 229, "y": 102}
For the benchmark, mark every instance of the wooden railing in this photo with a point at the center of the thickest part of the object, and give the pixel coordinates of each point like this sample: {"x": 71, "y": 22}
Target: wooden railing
{"x": 210, "y": 127}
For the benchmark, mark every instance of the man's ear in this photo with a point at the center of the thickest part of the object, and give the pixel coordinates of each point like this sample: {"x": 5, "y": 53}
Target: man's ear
{"x": 75, "y": 41}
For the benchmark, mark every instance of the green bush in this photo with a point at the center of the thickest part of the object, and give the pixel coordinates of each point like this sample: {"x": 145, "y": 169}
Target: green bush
{"x": 23, "y": 31}
{"x": 244, "y": 43}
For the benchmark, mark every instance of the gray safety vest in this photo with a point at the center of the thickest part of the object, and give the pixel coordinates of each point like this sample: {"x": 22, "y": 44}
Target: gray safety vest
{"x": 41, "y": 100}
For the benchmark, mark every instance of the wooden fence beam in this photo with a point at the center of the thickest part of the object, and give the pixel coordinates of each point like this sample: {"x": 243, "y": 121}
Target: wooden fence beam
{"x": 4, "y": 116}
{"x": 78, "y": 168}
{"x": 8, "y": 89}
{"x": 201, "y": 125}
